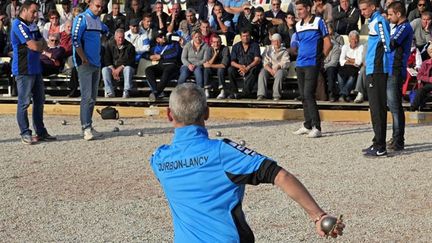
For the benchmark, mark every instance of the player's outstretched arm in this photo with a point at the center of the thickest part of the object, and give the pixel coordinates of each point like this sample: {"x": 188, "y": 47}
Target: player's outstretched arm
{"x": 298, "y": 192}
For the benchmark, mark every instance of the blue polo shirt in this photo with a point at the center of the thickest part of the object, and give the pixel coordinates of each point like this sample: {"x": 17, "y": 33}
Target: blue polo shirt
{"x": 310, "y": 41}
{"x": 87, "y": 31}
{"x": 236, "y": 4}
{"x": 378, "y": 46}
{"x": 24, "y": 61}
{"x": 204, "y": 181}
{"x": 400, "y": 45}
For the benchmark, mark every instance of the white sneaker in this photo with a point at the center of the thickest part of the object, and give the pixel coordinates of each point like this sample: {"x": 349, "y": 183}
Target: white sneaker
{"x": 90, "y": 134}
{"x": 302, "y": 130}
{"x": 221, "y": 95}
{"x": 359, "y": 98}
{"x": 314, "y": 133}
{"x": 207, "y": 93}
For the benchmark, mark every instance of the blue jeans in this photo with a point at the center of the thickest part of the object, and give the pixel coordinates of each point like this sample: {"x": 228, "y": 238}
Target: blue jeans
{"x": 88, "y": 76}
{"x": 30, "y": 87}
{"x": 394, "y": 102}
{"x": 185, "y": 73}
{"x": 107, "y": 77}
{"x": 345, "y": 85}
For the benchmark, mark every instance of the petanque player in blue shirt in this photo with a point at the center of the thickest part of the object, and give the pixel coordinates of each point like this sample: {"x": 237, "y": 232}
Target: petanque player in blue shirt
{"x": 87, "y": 31}
{"x": 27, "y": 45}
{"x": 204, "y": 179}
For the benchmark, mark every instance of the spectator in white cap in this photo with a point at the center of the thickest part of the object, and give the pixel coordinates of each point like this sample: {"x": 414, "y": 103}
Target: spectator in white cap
{"x": 276, "y": 63}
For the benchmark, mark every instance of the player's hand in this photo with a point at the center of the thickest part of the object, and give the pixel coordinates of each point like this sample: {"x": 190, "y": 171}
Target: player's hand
{"x": 337, "y": 229}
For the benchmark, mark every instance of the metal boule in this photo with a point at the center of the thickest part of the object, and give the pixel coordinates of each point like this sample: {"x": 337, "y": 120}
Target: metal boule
{"x": 140, "y": 134}
{"x": 64, "y": 123}
{"x": 218, "y": 133}
{"x": 242, "y": 143}
{"x": 120, "y": 122}
{"x": 328, "y": 224}
{"x": 116, "y": 129}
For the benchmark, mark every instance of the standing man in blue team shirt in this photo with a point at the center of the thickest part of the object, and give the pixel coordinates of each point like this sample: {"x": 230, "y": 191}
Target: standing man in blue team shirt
{"x": 86, "y": 40}
{"x": 27, "y": 45}
{"x": 400, "y": 44}
{"x": 377, "y": 69}
{"x": 313, "y": 46}
{"x": 205, "y": 183}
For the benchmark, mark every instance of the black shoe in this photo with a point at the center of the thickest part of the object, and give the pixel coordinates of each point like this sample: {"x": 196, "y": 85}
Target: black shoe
{"x": 373, "y": 152}
{"x": 346, "y": 98}
{"x": 46, "y": 137}
{"x": 367, "y": 149}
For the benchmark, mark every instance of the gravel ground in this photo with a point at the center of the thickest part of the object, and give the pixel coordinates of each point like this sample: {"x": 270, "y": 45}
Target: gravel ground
{"x": 73, "y": 190}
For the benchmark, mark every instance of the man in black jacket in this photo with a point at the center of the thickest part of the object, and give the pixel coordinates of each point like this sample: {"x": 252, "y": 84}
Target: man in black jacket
{"x": 345, "y": 18}
{"x": 119, "y": 57}
{"x": 115, "y": 19}
{"x": 166, "y": 54}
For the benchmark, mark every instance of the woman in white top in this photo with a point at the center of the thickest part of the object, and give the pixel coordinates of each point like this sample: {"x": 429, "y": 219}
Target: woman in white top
{"x": 53, "y": 26}
{"x": 350, "y": 61}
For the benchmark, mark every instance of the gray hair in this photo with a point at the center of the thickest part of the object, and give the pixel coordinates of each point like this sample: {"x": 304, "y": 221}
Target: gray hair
{"x": 119, "y": 31}
{"x": 354, "y": 33}
{"x": 188, "y": 103}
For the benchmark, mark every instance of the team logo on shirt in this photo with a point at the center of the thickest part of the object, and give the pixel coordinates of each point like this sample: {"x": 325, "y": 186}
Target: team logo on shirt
{"x": 240, "y": 148}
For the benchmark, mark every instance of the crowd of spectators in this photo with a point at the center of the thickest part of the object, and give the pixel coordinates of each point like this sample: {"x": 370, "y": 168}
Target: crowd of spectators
{"x": 185, "y": 42}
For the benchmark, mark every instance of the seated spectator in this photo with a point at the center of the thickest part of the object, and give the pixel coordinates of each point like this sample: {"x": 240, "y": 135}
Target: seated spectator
{"x": 260, "y": 27}
{"x": 134, "y": 12}
{"x": 189, "y": 25}
{"x": 425, "y": 77}
{"x": 4, "y": 34}
{"x": 177, "y": 15}
{"x": 245, "y": 18}
{"x": 287, "y": 29}
{"x": 361, "y": 84}
{"x": 145, "y": 28}
{"x": 275, "y": 64}
{"x": 159, "y": 18}
{"x": 166, "y": 54}
{"x": 194, "y": 55}
{"x": 206, "y": 31}
{"x": 140, "y": 40}
{"x": 323, "y": 9}
{"x": 421, "y": 27}
{"x": 275, "y": 14}
{"x": 115, "y": 19}
{"x": 12, "y": 9}
{"x": 417, "y": 13}
{"x": 143, "y": 6}
{"x": 119, "y": 57}
{"x": 217, "y": 64}
{"x": 66, "y": 14}
{"x": 331, "y": 63}
{"x": 345, "y": 18}
{"x": 221, "y": 23}
{"x": 235, "y": 7}
{"x": 350, "y": 61}
{"x": 245, "y": 63}
{"x": 66, "y": 38}
{"x": 205, "y": 9}
{"x": 52, "y": 58}
{"x": 53, "y": 26}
